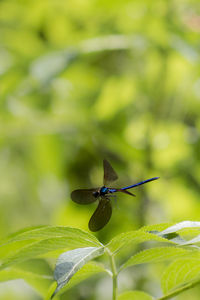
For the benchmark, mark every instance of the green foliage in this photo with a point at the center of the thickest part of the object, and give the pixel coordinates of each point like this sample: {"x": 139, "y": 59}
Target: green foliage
{"x": 158, "y": 254}
{"x": 124, "y": 239}
{"x": 77, "y": 265}
{"x": 71, "y": 261}
{"x": 44, "y": 232}
{"x": 89, "y": 269}
{"x": 181, "y": 272}
{"x": 134, "y": 295}
{"x": 36, "y": 273}
{"x": 40, "y": 241}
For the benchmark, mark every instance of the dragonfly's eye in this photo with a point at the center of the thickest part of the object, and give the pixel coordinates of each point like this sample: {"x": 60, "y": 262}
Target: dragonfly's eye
{"x": 95, "y": 194}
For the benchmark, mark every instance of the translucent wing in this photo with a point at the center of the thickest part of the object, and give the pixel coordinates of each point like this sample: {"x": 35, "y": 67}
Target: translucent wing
{"x": 83, "y": 196}
{"x": 109, "y": 173}
{"x": 102, "y": 215}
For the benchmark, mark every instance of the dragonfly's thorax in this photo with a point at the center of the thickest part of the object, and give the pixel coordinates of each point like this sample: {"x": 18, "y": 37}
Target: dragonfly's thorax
{"x": 101, "y": 192}
{"x": 104, "y": 190}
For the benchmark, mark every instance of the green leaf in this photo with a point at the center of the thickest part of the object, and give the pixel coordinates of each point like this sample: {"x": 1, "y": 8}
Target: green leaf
{"x": 134, "y": 295}
{"x": 36, "y": 273}
{"x": 180, "y": 272}
{"x": 193, "y": 241}
{"x": 20, "y": 232}
{"x": 71, "y": 261}
{"x": 34, "y": 242}
{"x": 156, "y": 227}
{"x": 133, "y": 237}
{"x": 173, "y": 237}
{"x": 157, "y": 255}
{"x": 170, "y": 232}
{"x": 39, "y": 282}
{"x": 179, "y": 226}
{"x": 88, "y": 270}
{"x": 12, "y": 248}
{"x": 50, "y": 291}
{"x": 40, "y": 249}
{"x": 44, "y": 232}
{"x": 16, "y": 273}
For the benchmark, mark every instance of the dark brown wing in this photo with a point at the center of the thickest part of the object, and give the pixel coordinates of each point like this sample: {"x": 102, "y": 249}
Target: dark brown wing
{"x": 109, "y": 173}
{"x": 102, "y": 215}
{"x": 83, "y": 196}
{"x": 126, "y": 192}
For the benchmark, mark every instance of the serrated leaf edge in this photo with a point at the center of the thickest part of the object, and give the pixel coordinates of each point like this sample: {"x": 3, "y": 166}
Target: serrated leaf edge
{"x": 77, "y": 267}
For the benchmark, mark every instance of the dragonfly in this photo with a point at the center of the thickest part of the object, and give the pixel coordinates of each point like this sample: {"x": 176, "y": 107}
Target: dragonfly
{"x": 104, "y": 194}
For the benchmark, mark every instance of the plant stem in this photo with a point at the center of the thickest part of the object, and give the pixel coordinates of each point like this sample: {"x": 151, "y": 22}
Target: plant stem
{"x": 114, "y": 277}
{"x": 114, "y": 273}
{"x": 180, "y": 290}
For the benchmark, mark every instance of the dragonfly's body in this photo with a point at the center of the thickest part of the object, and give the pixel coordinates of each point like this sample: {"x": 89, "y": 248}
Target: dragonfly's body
{"x": 102, "y": 214}
{"x": 139, "y": 183}
{"x": 106, "y": 191}
{"x": 103, "y": 191}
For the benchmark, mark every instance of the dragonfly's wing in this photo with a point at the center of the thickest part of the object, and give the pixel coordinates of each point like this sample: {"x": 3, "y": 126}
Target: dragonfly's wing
{"x": 102, "y": 215}
{"x": 109, "y": 173}
{"x": 126, "y": 192}
{"x": 83, "y": 196}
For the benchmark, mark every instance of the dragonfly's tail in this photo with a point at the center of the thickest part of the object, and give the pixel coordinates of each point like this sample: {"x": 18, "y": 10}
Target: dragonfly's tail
{"x": 139, "y": 183}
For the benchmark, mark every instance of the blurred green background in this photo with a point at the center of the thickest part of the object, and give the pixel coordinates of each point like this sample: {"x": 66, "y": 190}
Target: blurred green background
{"x": 85, "y": 80}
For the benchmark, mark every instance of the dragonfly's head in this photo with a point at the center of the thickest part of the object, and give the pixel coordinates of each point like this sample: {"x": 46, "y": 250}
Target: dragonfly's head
{"x": 96, "y": 194}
